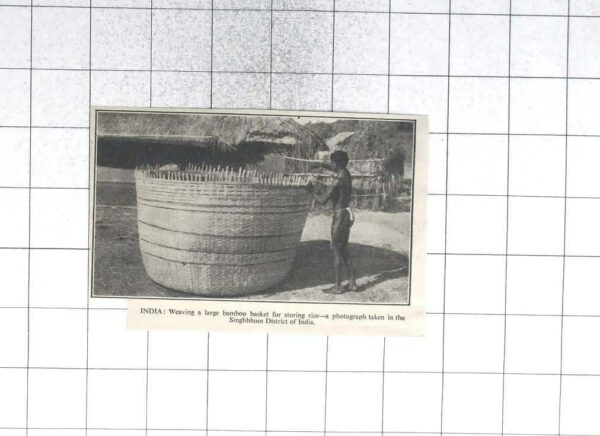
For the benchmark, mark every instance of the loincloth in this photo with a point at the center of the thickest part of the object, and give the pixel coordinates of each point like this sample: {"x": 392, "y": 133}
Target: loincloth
{"x": 340, "y": 226}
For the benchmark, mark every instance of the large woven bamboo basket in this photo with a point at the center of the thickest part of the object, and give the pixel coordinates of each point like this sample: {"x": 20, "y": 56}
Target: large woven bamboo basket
{"x": 216, "y": 232}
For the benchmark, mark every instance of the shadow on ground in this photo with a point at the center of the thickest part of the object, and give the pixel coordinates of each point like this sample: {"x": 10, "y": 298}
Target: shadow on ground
{"x": 314, "y": 265}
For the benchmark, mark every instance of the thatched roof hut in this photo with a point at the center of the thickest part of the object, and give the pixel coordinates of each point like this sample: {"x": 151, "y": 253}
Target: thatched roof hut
{"x": 128, "y": 138}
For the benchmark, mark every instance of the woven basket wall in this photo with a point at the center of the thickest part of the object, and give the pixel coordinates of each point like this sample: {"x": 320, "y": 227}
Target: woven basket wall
{"x": 218, "y": 238}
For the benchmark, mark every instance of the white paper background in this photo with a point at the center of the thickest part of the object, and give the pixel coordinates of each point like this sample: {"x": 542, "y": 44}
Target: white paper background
{"x": 512, "y": 296}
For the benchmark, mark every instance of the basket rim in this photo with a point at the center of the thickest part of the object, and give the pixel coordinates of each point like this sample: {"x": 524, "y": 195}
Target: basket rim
{"x": 218, "y": 183}
{"x": 223, "y": 176}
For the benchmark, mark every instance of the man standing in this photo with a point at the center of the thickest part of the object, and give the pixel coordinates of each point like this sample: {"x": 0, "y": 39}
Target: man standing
{"x": 340, "y": 194}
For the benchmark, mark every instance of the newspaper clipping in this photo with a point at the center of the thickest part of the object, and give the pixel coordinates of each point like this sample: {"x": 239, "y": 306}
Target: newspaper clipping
{"x": 291, "y": 222}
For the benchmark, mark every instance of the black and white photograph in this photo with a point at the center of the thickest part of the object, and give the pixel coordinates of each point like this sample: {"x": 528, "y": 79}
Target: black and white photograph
{"x": 285, "y": 207}
{"x": 299, "y": 217}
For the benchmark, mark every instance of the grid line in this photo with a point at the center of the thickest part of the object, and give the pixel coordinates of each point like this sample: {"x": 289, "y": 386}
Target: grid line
{"x": 147, "y": 381}
{"x": 369, "y": 432}
{"x": 151, "y": 50}
{"x": 308, "y": 371}
{"x": 506, "y": 242}
{"x": 445, "y": 260}
{"x": 430, "y": 194}
{"x": 308, "y": 73}
{"x": 562, "y": 307}
{"x": 553, "y": 135}
{"x": 29, "y": 220}
{"x": 543, "y": 315}
{"x": 212, "y": 38}
{"x": 271, "y": 60}
{"x": 389, "y": 59}
{"x": 448, "y": 135}
{"x": 308, "y": 10}
{"x": 333, "y": 55}
{"x": 325, "y": 431}
{"x": 383, "y": 370}
{"x": 87, "y": 317}
{"x": 266, "y": 384}
{"x": 207, "y": 378}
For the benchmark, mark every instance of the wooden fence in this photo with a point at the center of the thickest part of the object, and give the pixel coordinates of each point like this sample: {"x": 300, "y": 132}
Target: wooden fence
{"x": 376, "y": 193}
{"x": 372, "y": 189}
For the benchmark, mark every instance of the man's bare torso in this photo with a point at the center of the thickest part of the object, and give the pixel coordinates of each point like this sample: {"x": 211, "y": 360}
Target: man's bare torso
{"x": 342, "y": 192}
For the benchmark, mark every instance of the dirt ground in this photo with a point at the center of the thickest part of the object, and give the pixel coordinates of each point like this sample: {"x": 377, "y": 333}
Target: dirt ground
{"x": 379, "y": 244}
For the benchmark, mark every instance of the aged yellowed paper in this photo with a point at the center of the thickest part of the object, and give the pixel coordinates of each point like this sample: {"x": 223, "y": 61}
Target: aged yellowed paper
{"x": 296, "y": 222}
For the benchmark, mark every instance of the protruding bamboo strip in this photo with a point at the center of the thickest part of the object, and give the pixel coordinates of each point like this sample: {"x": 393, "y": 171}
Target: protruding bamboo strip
{"x": 227, "y": 174}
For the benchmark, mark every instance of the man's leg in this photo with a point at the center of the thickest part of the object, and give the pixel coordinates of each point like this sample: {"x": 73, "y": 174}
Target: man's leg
{"x": 337, "y": 265}
{"x": 337, "y": 256}
{"x": 345, "y": 253}
{"x": 350, "y": 268}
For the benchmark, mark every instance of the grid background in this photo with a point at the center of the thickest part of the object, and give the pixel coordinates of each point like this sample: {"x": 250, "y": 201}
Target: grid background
{"x": 513, "y": 310}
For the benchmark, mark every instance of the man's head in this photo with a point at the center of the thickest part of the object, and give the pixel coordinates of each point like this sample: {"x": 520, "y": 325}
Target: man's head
{"x": 339, "y": 159}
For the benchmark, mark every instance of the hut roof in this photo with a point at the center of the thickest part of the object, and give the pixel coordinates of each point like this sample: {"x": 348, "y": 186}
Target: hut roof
{"x": 223, "y": 132}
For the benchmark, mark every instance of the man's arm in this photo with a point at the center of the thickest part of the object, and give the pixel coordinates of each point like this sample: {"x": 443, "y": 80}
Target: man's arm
{"x": 321, "y": 198}
{"x": 323, "y": 165}
{"x": 325, "y": 196}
